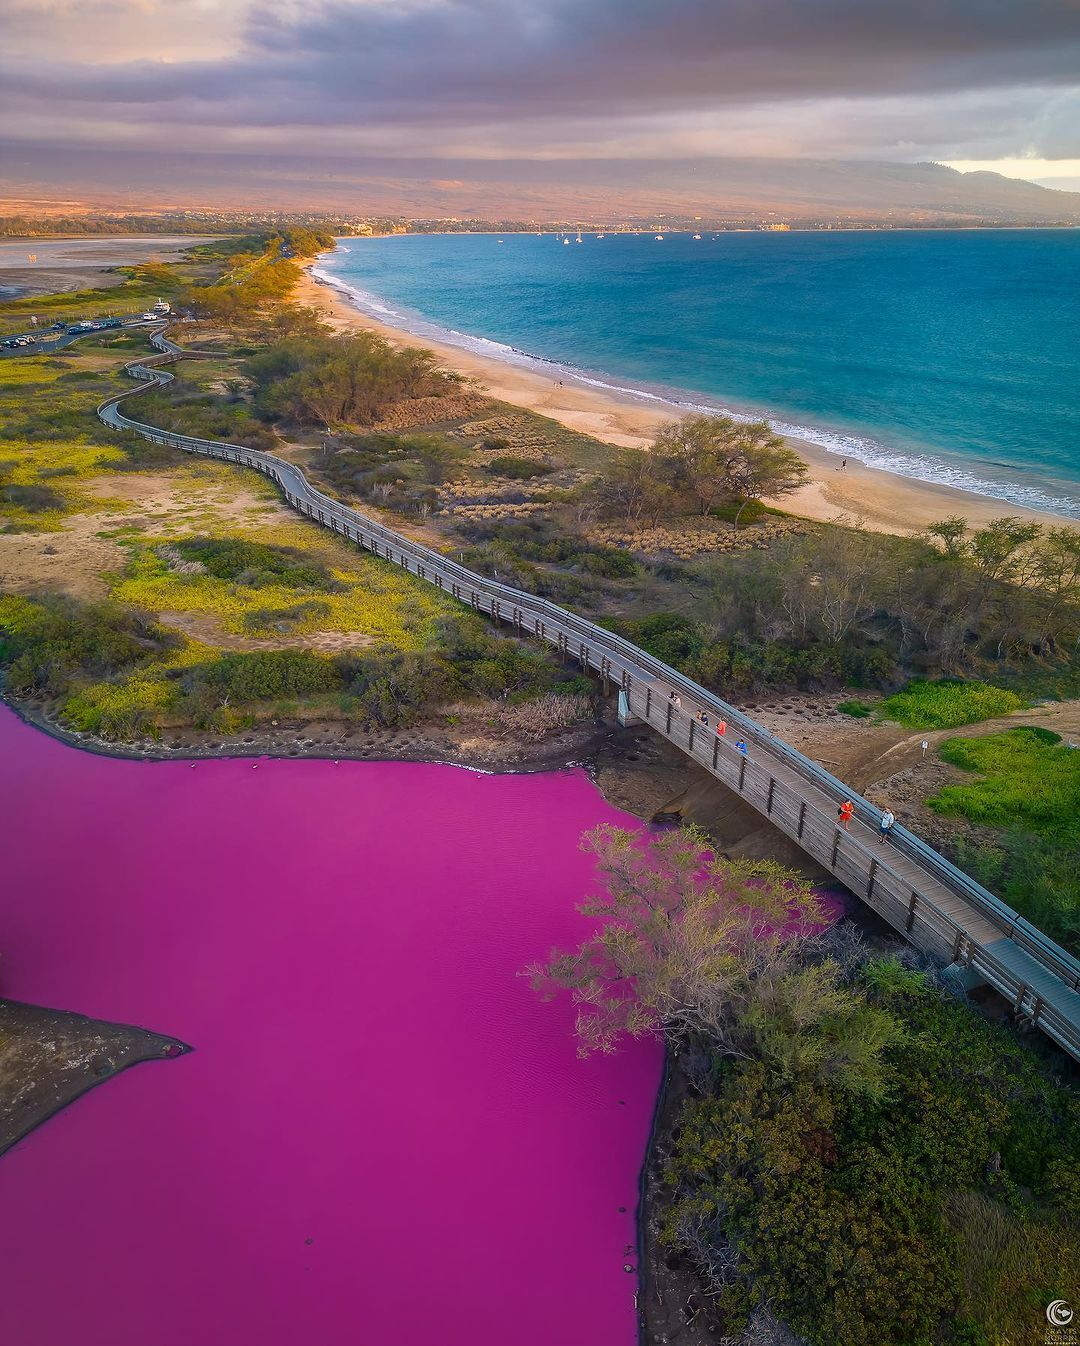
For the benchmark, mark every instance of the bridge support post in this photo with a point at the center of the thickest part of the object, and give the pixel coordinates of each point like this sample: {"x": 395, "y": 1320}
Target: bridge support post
{"x": 626, "y": 715}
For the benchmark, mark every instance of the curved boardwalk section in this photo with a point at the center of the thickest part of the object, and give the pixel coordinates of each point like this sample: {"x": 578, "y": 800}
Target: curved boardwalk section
{"x": 939, "y": 908}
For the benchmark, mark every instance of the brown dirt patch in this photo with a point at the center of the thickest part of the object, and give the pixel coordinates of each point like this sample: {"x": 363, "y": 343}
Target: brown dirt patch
{"x": 208, "y": 629}
{"x": 48, "y": 1058}
{"x": 74, "y": 559}
{"x": 70, "y": 561}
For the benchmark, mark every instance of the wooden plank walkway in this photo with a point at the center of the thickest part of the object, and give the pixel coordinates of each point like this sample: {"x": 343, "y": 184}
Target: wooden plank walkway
{"x": 937, "y": 907}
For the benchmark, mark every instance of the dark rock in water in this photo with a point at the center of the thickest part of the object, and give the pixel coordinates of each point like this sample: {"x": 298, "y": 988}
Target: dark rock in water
{"x": 48, "y": 1058}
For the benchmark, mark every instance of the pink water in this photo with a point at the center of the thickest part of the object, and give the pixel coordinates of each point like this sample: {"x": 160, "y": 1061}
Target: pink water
{"x": 382, "y": 1136}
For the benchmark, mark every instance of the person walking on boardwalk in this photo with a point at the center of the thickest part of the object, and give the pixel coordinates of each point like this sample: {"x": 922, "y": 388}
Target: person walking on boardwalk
{"x": 721, "y": 728}
{"x": 703, "y": 718}
{"x": 844, "y": 812}
{"x": 885, "y": 826}
{"x": 741, "y": 747}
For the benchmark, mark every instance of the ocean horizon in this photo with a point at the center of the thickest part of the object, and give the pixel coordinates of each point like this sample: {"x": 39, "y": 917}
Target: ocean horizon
{"x": 948, "y": 357}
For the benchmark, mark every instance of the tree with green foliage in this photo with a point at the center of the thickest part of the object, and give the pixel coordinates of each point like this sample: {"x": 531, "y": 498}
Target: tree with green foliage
{"x": 762, "y": 466}
{"x": 697, "y": 946}
{"x": 342, "y": 380}
{"x": 697, "y": 451}
{"x": 638, "y": 487}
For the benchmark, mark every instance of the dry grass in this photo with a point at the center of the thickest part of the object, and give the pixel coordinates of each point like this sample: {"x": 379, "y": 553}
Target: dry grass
{"x": 694, "y": 537}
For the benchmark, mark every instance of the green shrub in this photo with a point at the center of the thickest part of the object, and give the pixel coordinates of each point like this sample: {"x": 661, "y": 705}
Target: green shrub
{"x": 517, "y": 469}
{"x": 390, "y": 691}
{"x": 609, "y": 562}
{"x": 938, "y": 1212}
{"x": 668, "y": 636}
{"x": 1029, "y": 786}
{"x": 46, "y": 643}
{"x": 263, "y": 675}
{"x": 948, "y": 703}
{"x": 858, "y": 710}
{"x": 35, "y": 499}
{"x": 255, "y": 564}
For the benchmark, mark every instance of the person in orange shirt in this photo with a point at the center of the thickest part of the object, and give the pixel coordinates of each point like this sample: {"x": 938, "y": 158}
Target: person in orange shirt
{"x": 721, "y": 728}
{"x": 844, "y": 812}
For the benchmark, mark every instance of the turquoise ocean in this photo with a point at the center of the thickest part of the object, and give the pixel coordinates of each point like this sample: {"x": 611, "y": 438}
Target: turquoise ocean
{"x": 948, "y": 356}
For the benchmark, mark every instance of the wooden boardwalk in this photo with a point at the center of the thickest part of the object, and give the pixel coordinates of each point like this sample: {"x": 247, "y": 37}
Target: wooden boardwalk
{"x": 937, "y": 907}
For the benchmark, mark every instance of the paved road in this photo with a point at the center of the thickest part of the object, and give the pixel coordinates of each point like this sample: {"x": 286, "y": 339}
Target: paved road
{"x": 936, "y": 906}
{"x": 58, "y": 340}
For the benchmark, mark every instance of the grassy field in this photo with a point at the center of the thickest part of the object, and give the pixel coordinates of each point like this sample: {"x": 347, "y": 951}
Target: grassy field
{"x": 1026, "y": 786}
{"x": 168, "y": 592}
{"x": 1026, "y": 778}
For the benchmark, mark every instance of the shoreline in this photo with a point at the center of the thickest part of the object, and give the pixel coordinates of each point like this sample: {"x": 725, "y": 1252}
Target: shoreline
{"x": 880, "y": 501}
{"x": 576, "y": 747}
{"x": 65, "y": 264}
{"x": 52, "y": 1057}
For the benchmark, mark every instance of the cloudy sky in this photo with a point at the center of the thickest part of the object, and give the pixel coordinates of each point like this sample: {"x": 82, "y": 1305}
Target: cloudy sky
{"x": 975, "y": 83}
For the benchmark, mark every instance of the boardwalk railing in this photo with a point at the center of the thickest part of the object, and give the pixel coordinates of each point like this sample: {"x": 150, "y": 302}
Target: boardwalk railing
{"x": 938, "y": 907}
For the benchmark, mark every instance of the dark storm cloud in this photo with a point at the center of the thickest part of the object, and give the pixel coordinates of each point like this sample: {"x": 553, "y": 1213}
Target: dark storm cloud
{"x": 482, "y": 57}
{"x": 419, "y": 69}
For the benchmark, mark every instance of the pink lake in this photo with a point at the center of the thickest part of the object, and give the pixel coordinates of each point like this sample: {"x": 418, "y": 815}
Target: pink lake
{"x": 382, "y": 1135}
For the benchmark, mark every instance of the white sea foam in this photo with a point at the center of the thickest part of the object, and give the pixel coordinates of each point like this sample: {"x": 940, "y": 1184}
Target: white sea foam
{"x": 931, "y": 468}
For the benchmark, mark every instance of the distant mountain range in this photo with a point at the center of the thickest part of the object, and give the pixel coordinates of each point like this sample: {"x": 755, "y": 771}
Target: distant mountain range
{"x": 798, "y": 191}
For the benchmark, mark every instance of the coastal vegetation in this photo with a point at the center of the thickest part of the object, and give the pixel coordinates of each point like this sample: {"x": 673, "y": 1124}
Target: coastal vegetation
{"x": 336, "y": 381}
{"x": 772, "y": 604}
{"x": 213, "y": 610}
{"x": 852, "y": 1150}
{"x": 113, "y": 671}
{"x": 1024, "y": 798}
{"x": 699, "y": 463}
{"x": 948, "y": 703}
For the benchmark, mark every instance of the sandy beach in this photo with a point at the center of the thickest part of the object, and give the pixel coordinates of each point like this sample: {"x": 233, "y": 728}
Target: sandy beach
{"x": 879, "y": 500}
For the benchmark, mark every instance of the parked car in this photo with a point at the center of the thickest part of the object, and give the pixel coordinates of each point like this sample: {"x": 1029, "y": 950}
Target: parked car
{"x": 58, "y": 326}
{"x": 110, "y": 323}
{"x": 9, "y": 343}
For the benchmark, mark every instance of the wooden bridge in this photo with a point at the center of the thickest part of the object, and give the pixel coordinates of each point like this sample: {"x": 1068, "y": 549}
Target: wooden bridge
{"x": 936, "y": 906}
